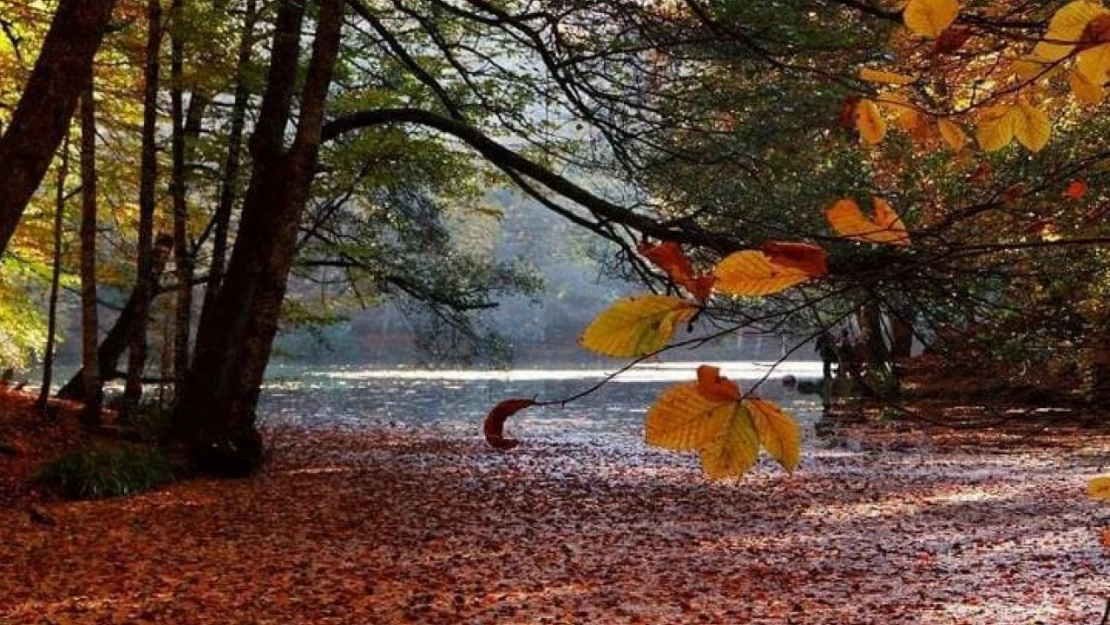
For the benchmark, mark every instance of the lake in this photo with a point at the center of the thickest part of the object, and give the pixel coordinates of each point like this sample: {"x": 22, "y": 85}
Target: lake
{"x": 458, "y": 400}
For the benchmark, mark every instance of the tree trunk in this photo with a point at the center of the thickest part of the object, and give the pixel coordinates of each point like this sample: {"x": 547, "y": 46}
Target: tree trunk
{"x": 115, "y": 341}
{"x": 183, "y": 262}
{"x": 55, "y": 279}
{"x": 89, "y": 327}
{"x": 901, "y": 330}
{"x": 42, "y": 117}
{"x": 136, "y": 356}
{"x": 230, "y": 179}
{"x": 215, "y": 416}
{"x": 871, "y": 334}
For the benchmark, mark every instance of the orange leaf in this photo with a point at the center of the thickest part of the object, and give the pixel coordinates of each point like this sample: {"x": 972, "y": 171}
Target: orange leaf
{"x": 849, "y": 221}
{"x": 952, "y": 39}
{"x": 809, "y": 258}
{"x": 495, "y": 422}
{"x": 1076, "y": 190}
{"x": 716, "y": 387}
{"x": 847, "y": 116}
{"x": 750, "y": 273}
{"x": 669, "y": 257}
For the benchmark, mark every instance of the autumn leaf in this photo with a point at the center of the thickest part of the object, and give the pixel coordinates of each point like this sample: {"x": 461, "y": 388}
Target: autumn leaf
{"x": 494, "y": 425}
{"x": 951, "y": 40}
{"x": 638, "y": 325}
{"x": 1093, "y": 63}
{"x": 930, "y": 18}
{"x": 1076, "y": 190}
{"x": 1066, "y": 28}
{"x": 1085, "y": 91}
{"x": 734, "y": 450}
{"x": 750, "y": 273}
{"x": 1099, "y": 488}
{"x": 884, "y": 77}
{"x": 811, "y": 259}
{"x": 778, "y": 433}
{"x": 1031, "y": 126}
{"x": 716, "y": 387}
{"x": 995, "y": 128}
{"x": 848, "y": 220}
{"x": 669, "y": 257}
{"x": 869, "y": 122}
{"x": 846, "y": 117}
{"x": 952, "y": 134}
{"x": 684, "y": 419}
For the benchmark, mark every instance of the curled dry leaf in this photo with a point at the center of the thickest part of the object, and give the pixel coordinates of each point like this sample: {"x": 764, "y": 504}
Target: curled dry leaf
{"x": 494, "y": 426}
{"x": 669, "y": 257}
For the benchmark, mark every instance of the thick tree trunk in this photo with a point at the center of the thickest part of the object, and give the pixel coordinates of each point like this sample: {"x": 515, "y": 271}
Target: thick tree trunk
{"x": 136, "y": 356}
{"x": 46, "y": 107}
{"x": 901, "y": 331}
{"x": 871, "y": 334}
{"x": 215, "y": 416}
{"x": 89, "y": 326}
{"x": 55, "y": 279}
{"x": 230, "y": 179}
{"x": 115, "y": 341}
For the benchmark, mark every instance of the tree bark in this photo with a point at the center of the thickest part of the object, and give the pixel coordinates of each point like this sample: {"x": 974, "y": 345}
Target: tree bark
{"x": 901, "y": 330}
{"x": 42, "y": 117}
{"x": 229, "y": 180}
{"x": 89, "y": 327}
{"x": 871, "y": 334}
{"x": 136, "y": 357}
{"x": 183, "y": 260}
{"x": 55, "y": 279}
{"x": 115, "y": 341}
{"x": 215, "y": 416}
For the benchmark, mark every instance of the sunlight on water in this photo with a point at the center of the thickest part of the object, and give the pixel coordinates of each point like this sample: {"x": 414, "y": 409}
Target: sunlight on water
{"x": 649, "y": 372}
{"x": 458, "y": 400}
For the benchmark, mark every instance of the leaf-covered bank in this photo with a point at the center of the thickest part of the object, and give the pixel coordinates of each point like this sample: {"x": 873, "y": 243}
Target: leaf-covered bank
{"x": 404, "y": 525}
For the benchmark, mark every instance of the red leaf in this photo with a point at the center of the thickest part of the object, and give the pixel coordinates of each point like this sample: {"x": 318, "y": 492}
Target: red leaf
{"x": 808, "y": 258}
{"x": 669, "y": 257}
{"x": 952, "y": 39}
{"x": 847, "y": 116}
{"x": 1076, "y": 190}
{"x": 494, "y": 427}
{"x": 716, "y": 387}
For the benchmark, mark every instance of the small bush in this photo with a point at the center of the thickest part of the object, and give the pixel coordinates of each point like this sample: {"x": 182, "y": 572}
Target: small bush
{"x": 107, "y": 470}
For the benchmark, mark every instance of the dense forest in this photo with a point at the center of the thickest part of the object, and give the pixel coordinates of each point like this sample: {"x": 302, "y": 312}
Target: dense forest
{"x": 914, "y": 193}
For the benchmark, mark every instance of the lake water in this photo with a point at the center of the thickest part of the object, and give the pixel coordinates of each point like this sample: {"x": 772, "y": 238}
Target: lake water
{"x": 458, "y": 400}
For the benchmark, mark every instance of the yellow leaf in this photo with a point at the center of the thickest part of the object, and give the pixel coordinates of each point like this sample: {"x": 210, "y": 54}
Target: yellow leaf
{"x": 929, "y": 18}
{"x": 1032, "y": 127}
{"x": 1099, "y": 488}
{"x": 778, "y": 433}
{"x": 1027, "y": 69}
{"x": 995, "y": 129}
{"x": 751, "y": 273}
{"x": 1066, "y": 28}
{"x": 952, "y": 134}
{"x": 1085, "y": 91}
{"x": 636, "y": 326}
{"x": 848, "y": 220}
{"x": 683, "y": 419}
{"x": 909, "y": 118}
{"x": 884, "y": 77}
{"x": 871, "y": 126}
{"x": 1094, "y": 64}
{"x": 734, "y": 450}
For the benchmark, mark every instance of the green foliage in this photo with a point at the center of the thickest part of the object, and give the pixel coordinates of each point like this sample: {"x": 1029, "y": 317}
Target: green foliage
{"x": 107, "y": 470}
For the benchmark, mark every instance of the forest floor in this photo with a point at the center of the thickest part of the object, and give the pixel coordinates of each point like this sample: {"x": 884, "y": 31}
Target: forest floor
{"x": 882, "y": 523}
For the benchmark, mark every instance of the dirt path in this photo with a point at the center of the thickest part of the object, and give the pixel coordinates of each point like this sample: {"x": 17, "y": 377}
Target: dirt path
{"x": 415, "y": 526}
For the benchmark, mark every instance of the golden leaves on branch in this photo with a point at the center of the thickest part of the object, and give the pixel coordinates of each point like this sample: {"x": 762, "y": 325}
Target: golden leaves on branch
{"x": 751, "y": 273}
{"x": 638, "y": 325}
{"x": 726, "y": 429}
{"x": 930, "y": 18}
{"x": 999, "y": 125}
{"x": 848, "y": 220}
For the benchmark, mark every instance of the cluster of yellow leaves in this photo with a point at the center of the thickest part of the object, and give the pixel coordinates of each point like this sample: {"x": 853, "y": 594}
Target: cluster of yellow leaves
{"x": 711, "y": 417}
{"x": 849, "y": 221}
{"x": 1077, "y": 41}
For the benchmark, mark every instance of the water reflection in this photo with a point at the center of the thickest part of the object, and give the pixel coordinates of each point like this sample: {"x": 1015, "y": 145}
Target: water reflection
{"x": 457, "y": 400}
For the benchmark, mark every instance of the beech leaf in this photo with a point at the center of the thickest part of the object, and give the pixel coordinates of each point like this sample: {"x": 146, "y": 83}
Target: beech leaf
{"x": 494, "y": 426}
{"x": 848, "y": 221}
{"x": 869, "y": 122}
{"x": 638, "y": 325}
{"x": 930, "y": 18}
{"x": 684, "y": 419}
{"x": 778, "y": 432}
{"x": 750, "y": 273}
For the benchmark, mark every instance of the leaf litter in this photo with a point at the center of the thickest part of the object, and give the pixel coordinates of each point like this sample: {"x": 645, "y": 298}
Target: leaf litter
{"x": 424, "y": 525}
